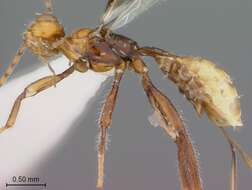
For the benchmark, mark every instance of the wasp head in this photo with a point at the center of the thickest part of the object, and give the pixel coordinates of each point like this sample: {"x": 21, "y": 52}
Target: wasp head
{"x": 43, "y": 35}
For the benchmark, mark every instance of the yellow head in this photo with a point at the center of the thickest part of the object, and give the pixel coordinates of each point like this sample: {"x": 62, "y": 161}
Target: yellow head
{"x": 43, "y": 35}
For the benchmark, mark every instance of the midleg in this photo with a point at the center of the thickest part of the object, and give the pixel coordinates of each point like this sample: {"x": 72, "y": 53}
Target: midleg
{"x": 171, "y": 122}
{"x": 33, "y": 89}
{"x": 104, "y": 122}
{"x": 15, "y": 61}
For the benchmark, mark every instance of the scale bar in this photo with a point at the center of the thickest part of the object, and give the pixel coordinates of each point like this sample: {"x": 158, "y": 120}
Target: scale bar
{"x": 26, "y": 184}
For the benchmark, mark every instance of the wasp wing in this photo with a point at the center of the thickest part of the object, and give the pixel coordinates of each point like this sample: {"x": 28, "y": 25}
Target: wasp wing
{"x": 120, "y": 12}
{"x": 114, "y": 4}
{"x": 113, "y": 9}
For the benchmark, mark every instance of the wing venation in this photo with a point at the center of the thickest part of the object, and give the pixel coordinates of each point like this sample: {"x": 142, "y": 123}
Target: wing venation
{"x": 120, "y": 12}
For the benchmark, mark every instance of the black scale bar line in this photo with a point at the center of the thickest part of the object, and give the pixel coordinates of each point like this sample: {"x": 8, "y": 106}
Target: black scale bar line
{"x": 25, "y": 184}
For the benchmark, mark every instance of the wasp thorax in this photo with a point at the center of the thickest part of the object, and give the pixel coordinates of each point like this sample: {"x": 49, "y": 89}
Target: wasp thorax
{"x": 43, "y": 35}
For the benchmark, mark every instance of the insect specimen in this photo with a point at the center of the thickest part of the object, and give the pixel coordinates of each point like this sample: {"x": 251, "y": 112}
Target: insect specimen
{"x": 205, "y": 85}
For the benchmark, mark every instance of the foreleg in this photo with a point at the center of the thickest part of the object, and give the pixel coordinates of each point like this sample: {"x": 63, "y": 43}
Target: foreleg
{"x": 33, "y": 89}
{"x": 13, "y": 64}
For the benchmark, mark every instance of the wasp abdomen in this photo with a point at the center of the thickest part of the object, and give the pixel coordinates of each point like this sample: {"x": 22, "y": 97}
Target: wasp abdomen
{"x": 208, "y": 87}
{"x": 185, "y": 80}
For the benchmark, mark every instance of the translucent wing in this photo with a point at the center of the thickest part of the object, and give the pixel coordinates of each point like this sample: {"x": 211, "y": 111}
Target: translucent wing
{"x": 112, "y": 4}
{"x": 120, "y": 12}
{"x": 114, "y": 9}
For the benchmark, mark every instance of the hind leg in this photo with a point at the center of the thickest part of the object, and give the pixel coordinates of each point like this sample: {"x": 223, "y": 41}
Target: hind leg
{"x": 170, "y": 121}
